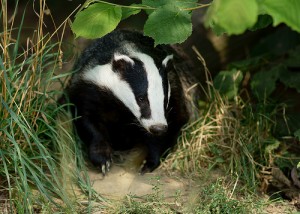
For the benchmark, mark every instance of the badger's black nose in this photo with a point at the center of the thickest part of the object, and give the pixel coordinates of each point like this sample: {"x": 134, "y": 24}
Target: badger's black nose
{"x": 158, "y": 129}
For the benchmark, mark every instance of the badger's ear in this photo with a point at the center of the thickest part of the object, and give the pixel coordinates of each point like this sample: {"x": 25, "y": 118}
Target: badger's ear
{"x": 168, "y": 61}
{"x": 121, "y": 62}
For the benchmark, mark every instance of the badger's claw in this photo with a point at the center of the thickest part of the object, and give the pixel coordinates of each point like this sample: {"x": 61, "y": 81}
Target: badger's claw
{"x": 148, "y": 166}
{"x": 105, "y": 167}
{"x": 142, "y": 170}
{"x": 101, "y": 157}
{"x": 108, "y": 165}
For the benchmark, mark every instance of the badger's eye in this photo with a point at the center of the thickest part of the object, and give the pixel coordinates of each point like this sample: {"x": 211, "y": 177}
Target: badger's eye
{"x": 141, "y": 99}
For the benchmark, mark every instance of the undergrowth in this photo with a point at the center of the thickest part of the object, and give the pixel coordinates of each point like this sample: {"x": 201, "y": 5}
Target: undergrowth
{"x": 34, "y": 176}
{"x": 233, "y": 134}
{"x": 227, "y": 134}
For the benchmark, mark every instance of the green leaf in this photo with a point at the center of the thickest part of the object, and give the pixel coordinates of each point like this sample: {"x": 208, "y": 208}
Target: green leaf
{"x": 227, "y": 82}
{"x": 97, "y": 20}
{"x": 293, "y": 59}
{"x": 246, "y": 64}
{"x": 273, "y": 144}
{"x": 262, "y": 22}
{"x": 291, "y": 79}
{"x": 264, "y": 82}
{"x": 283, "y": 11}
{"x": 168, "y": 25}
{"x": 276, "y": 43}
{"x": 233, "y": 16}
{"x": 129, "y": 11}
{"x": 182, "y": 4}
{"x": 297, "y": 135}
{"x": 218, "y": 30}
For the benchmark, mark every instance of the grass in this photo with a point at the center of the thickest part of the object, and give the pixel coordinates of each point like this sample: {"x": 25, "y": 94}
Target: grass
{"x": 221, "y": 136}
{"x": 33, "y": 147}
{"x": 42, "y": 169}
{"x": 233, "y": 135}
{"x": 207, "y": 195}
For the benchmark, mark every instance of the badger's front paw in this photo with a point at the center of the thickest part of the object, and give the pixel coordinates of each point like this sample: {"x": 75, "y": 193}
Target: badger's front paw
{"x": 101, "y": 156}
{"x": 149, "y": 165}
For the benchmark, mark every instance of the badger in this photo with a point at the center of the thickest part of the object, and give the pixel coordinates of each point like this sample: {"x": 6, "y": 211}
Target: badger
{"x": 126, "y": 91}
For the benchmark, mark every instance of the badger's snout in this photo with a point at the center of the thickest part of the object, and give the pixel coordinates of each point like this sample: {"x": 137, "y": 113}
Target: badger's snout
{"x": 158, "y": 130}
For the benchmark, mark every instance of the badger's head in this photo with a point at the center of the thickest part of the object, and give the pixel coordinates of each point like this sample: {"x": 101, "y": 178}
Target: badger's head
{"x": 140, "y": 83}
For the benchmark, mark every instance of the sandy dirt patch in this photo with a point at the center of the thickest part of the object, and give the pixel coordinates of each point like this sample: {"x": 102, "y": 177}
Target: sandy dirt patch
{"x": 120, "y": 182}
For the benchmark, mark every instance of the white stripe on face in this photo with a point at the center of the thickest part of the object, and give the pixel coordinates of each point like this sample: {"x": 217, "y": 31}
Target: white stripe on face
{"x": 167, "y": 59}
{"x": 124, "y": 57}
{"x": 155, "y": 92}
{"x": 169, "y": 93}
{"x": 164, "y": 63}
{"x": 104, "y": 76}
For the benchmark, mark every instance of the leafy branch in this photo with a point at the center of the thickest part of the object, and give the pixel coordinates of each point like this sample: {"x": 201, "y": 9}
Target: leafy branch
{"x": 170, "y": 21}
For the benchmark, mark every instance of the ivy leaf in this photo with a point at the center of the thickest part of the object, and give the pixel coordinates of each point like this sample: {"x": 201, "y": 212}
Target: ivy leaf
{"x": 97, "y": 20}
{"x": 264, "y": 82}
{"x": 129, "y": 11}
{"x": 227, "y": 82}
{"x": 233, "y": 16}
{"x": 286, "y": 11}
{"x": 168, "y": 25}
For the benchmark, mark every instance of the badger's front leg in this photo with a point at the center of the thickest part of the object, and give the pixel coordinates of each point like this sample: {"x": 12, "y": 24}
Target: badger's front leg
{"x": 157, "y": 146}
{"x": 95, "y": 138}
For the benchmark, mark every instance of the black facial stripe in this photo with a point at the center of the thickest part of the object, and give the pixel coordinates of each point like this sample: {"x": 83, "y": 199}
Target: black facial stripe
{"x": 136, "y": 76}
{"x": 144, "y": 107}
{"x": 164, "y": 75}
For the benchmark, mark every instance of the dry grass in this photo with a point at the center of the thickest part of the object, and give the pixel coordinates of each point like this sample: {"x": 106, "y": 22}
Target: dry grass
{"x": 228, "y": 134}
{"x": 31, "y": 147}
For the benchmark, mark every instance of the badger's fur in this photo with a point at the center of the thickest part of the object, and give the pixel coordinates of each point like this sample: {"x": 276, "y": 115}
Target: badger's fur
{"x": 126, "y": 91}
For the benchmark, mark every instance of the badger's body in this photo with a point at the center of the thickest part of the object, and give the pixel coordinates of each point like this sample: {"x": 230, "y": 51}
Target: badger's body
{"x": 125, "y": 91}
